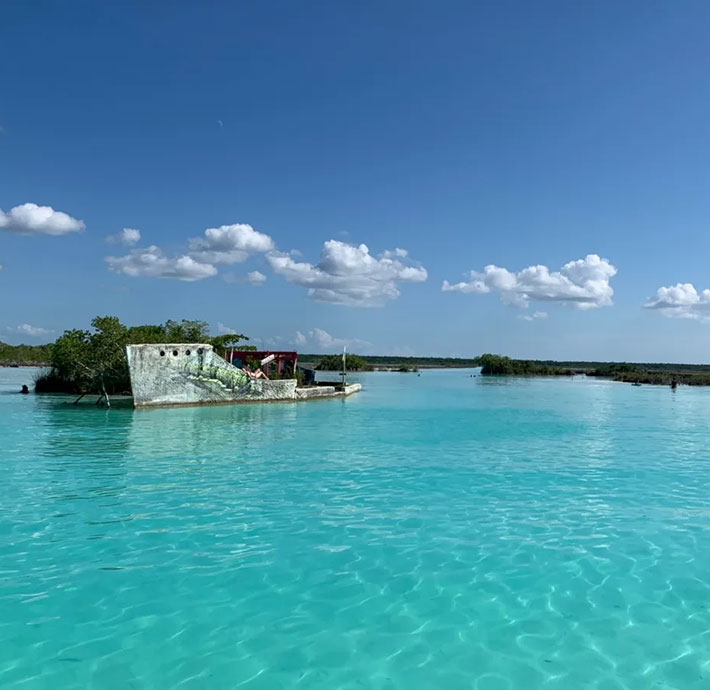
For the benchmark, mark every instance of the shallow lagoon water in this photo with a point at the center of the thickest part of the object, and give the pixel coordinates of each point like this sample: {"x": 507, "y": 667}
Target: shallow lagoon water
{"x": 433, "y": 531}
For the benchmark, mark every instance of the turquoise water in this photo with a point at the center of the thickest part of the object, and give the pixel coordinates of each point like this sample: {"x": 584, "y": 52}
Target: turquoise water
{"x": 438, "y": 531}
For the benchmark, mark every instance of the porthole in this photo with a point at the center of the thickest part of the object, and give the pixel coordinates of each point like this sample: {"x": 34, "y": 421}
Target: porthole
{"x": 188, "y": 352}
{"x": 199, "y": 350}
{"x": 162, "y": 353}
{"x": 175, "y": 353}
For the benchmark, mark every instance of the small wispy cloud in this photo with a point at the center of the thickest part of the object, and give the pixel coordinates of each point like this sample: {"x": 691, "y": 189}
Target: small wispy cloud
{"x": 224, "y": 330}
{"x": 325, "y": 340}
{"x": 127, "y": 237}
{"x": 27, "y": 329}
{"x": 254, "y": 278}
{"x": 535, "y": 316}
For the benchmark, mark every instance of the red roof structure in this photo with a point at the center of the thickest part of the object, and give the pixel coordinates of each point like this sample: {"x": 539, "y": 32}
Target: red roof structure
{"x": 281, "y": 357}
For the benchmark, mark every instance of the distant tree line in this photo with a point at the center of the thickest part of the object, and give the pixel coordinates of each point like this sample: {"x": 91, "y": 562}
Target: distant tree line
{"x": 32, "y": 355}
{"x": 498, "y": 365}
{"x": 335, "y": 363}
{"x": 396, "y": 361}
{"x": 94, "y": 361}
{"x": 657, "y": 374}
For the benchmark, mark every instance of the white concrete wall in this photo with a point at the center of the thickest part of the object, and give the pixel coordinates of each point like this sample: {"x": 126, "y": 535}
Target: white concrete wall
{"x": 193, "y": 374}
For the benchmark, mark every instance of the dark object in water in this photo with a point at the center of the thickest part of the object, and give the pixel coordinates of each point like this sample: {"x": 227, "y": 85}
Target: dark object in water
{"x": 25, "y": 390}
{"x": 636, "y": 383}
{"x": 674, "y": 384}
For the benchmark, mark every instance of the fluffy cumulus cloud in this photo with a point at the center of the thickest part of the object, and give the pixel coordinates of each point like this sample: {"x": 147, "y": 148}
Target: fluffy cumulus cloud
{"x": 349, "y": 274}
{"x": 230, "y": 244}
{"x": 300, "y": 339}
{"x": 583, "y": 284}
{"x": 31, "y": 219}
{"x": 152, "y": 263}
{"x": 681, "y": 301}
{"x": 127, "y": 237}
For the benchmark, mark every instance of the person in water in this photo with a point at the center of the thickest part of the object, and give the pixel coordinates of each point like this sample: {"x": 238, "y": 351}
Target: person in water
{"x": 25, "y": 390}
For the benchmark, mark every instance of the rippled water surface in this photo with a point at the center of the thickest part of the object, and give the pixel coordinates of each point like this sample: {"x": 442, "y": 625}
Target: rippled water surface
{"x": 434, "y": 531}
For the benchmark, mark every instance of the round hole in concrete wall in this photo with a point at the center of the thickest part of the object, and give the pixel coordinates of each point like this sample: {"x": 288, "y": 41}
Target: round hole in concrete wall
{"x": 199, "y": 350}
{"x": 162, "y": 353}
{"x": 175, "y": 353}
{"x": 188, "y": 352}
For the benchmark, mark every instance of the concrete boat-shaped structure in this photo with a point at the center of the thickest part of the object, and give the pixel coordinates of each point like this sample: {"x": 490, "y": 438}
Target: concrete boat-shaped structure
{"x": 194, "y": 374}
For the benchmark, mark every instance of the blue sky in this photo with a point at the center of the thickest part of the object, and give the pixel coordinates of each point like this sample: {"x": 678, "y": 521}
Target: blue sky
{"x": 509, "y": 134}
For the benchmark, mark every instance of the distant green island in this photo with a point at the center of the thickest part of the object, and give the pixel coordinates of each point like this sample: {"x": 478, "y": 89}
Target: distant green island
{"x": 94, "y": 360}
{"x": 499, "y": 365}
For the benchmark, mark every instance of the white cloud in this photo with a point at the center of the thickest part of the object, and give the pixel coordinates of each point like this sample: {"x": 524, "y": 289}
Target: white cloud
{"x": 325, "y": 340}
{"x": 224, "y": 330}
{"x": 535, "y": 316}
{"x": 229, "y": 244}
{"x": 152, "y": 263}
{"x": 127, "y": 237}
{"x": 583, "y": 284}
{"x": 681, "y": 301}
{"x": 31, "y": 219}
{"x": 396, "y": 253}
{"x": 26, "y": 329}
{"x": 317, "y": 339}
{"x": 255, "y": 278}
{"x": 348, "y": 274}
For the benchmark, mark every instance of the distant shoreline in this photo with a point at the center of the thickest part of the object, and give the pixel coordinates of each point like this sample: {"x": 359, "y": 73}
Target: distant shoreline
{"x": 660, "y": 373}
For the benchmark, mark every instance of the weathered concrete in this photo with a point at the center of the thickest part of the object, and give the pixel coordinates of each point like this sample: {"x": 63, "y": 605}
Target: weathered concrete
{"x": 327, "y": 391}
{"x": 194, "y": 374}
{"x": 315, "y": 392}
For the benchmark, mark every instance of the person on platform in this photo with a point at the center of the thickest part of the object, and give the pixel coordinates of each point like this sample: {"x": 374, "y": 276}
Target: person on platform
{"x": 257, "y": 374}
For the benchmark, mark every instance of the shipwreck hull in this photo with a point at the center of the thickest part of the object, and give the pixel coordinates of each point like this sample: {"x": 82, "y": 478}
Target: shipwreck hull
{"x": 194, "y": 374}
